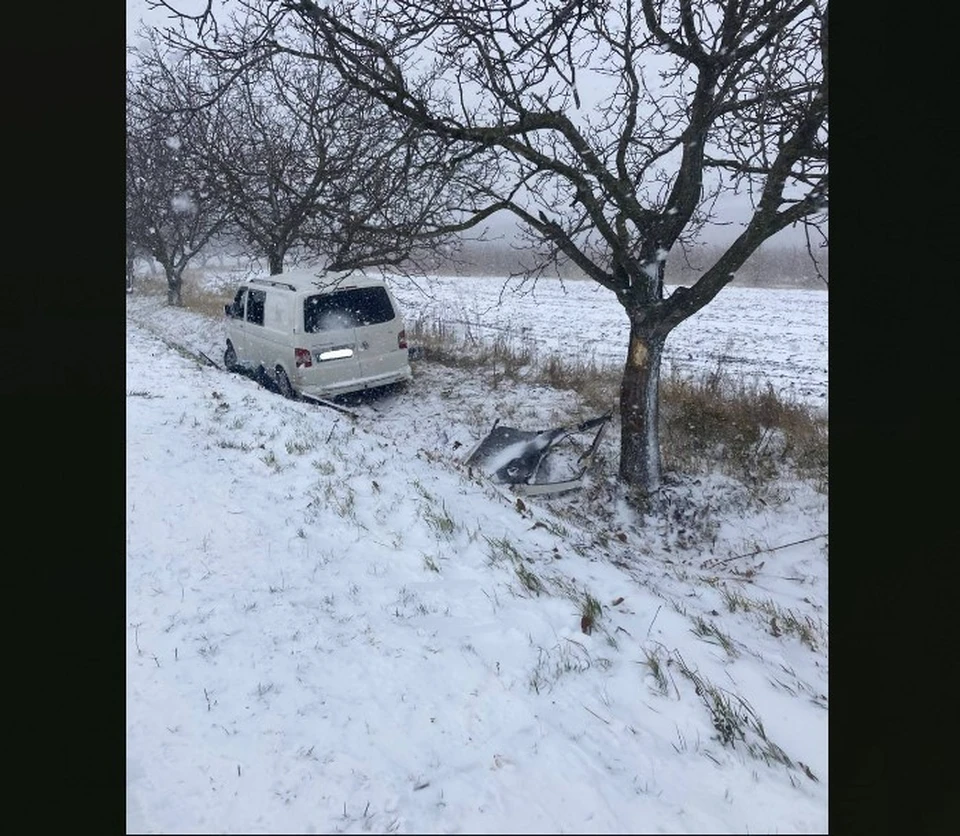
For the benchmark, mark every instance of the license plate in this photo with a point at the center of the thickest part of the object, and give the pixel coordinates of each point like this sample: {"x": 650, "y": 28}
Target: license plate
{"x": 339, "y": 353}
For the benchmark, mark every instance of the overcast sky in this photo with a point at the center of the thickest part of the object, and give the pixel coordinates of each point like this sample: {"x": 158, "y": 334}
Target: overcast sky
{"x": 734, "y": 211}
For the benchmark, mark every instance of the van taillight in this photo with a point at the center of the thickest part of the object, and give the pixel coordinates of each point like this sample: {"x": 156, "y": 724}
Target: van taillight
{"x": 402, "y": 339}
{"x": 302, "y": 356}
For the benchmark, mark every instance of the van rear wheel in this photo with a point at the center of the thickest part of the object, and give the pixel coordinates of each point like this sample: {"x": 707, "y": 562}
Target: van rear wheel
{"x": 283, "y": 384}
{"x": 230, "y": 358}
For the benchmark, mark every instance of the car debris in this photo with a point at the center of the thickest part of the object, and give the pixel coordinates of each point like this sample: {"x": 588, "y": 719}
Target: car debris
{"x": 537, "y": 462}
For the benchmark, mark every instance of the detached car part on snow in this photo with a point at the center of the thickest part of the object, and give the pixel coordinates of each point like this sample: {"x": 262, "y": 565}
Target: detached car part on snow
{"x": 535, "y": 463}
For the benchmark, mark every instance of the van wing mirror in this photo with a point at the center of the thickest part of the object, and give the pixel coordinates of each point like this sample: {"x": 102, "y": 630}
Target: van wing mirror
{"x": 228, "y": 309}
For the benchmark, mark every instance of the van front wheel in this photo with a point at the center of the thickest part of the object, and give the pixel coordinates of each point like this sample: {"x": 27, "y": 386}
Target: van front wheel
{"x": 283, "y": 384}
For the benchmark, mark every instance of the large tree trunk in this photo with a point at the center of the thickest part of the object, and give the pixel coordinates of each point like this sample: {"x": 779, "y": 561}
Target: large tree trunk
{"x": 175, "y": 290}
{"x": 640, "y": 412}
{"x": 275, "y": 257}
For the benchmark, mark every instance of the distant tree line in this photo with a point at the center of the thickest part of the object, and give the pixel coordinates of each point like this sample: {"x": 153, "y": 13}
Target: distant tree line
{"x": 774, "y": 266}
{"x": 769, "y": 266}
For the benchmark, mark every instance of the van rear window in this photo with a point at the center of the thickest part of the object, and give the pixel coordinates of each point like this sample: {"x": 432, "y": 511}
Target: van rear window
{"x": 346, "y": 309}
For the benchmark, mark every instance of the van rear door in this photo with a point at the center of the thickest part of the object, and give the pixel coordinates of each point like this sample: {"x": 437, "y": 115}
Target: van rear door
{"x": 378, "y": 332}
{"x": 329, "y": 329}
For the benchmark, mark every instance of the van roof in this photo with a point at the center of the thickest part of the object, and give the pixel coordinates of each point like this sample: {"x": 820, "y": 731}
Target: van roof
{"x": 319, "y": 280}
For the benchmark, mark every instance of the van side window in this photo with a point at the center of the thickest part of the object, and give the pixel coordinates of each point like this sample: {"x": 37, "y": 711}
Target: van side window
{"x": 236, "y": 309}
{"x": 256, "y": 300}
{"x": 346, "y": 309}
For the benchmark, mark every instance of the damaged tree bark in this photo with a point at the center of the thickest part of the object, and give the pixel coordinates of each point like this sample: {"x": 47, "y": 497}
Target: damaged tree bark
{"x": 640, "y": 462}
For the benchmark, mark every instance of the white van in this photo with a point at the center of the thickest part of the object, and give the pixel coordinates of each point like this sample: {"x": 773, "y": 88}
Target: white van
{"x": 318, "y": 334}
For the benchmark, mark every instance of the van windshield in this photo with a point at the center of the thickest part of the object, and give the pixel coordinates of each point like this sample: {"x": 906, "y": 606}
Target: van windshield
{"x": 346, "y": 309}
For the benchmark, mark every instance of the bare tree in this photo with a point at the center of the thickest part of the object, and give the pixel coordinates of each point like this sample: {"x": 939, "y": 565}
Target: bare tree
{"x": 309, "y": 165}
{"x": 286, "y": 153}
{"x": 173, "y": 209}
{"x": 270, "y": 162}
{"x": 609, "y": 128}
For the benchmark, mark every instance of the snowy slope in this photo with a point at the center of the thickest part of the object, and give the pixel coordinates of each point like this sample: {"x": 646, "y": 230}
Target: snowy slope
{"x": 334, "y": 626}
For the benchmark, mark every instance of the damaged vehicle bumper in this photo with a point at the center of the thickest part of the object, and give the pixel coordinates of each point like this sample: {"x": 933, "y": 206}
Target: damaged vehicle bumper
{"x": 538, "y": 462}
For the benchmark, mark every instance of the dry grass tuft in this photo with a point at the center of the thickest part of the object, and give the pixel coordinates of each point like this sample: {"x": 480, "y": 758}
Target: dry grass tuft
{"x": 598, "y": 386}
{"x": 195, "y": 296}
{"x": 749, "y": 429}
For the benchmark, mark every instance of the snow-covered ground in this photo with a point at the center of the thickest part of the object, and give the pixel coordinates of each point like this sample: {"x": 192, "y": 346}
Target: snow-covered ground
{"x": 334, "y": 625}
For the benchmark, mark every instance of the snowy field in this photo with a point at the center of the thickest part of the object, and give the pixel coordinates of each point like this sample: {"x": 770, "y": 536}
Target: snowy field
{"x": 334, "y": 626}
{"x": 769, "y": 335}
